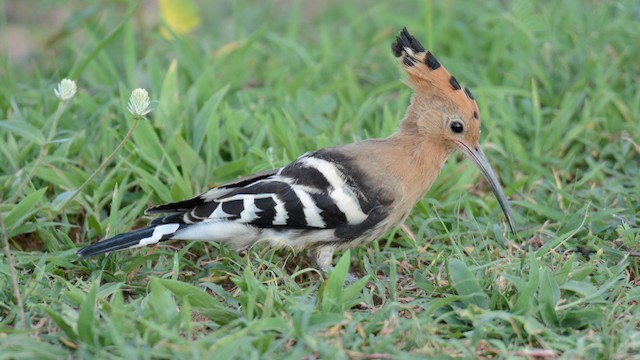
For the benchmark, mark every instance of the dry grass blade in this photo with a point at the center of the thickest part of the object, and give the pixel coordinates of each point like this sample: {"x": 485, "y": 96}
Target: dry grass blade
{"x": 12, "y": 270}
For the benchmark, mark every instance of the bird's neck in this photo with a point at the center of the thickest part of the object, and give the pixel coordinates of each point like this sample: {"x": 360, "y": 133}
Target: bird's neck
{"x": 422, "y": 159}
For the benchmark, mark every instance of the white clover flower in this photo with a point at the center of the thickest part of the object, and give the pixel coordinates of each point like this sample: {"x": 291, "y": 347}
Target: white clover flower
{"x": 139, "y": 103}
{"x": 66, "y": 89}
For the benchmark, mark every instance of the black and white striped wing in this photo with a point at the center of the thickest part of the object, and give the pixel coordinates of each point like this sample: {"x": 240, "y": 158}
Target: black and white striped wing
{"x": 310, "y": 193}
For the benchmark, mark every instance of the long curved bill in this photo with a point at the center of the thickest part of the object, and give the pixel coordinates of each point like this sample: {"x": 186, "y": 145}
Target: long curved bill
{"x": 480, "y": 160}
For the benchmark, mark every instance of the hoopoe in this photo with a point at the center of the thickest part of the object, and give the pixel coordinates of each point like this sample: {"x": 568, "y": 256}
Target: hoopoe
{"x": 341, "y": 197}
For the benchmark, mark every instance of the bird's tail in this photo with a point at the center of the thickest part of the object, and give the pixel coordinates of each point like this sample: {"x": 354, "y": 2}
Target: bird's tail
{"x": 141, "y": 237}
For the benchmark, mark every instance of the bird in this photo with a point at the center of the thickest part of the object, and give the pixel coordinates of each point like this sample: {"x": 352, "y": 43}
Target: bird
{"x": 341, "y": 197}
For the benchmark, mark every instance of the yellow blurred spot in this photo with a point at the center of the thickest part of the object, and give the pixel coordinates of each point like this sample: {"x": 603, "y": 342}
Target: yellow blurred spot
{"x": 227, "y": 48}
{"x": 68, "y": 343}
{"x": 182, "y": 16}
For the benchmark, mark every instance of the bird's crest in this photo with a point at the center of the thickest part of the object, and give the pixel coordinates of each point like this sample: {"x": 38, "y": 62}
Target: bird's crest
{"x": 426, "y": 74}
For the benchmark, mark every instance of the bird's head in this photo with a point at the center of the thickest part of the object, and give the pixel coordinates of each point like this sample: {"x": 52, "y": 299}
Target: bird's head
{"x": 442, "y": 112}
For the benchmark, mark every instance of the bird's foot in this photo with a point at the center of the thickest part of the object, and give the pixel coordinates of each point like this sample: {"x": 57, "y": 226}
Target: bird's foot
{"x": 323, "y": 257}
{"x": 349, "y": 278}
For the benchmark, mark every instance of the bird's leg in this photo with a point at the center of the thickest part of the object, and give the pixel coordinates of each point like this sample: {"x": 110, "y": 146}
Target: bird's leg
{"x": 323, "y": 257}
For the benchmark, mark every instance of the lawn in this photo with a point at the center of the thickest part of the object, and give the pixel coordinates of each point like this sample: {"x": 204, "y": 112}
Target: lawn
{"x": 257, "y": 84}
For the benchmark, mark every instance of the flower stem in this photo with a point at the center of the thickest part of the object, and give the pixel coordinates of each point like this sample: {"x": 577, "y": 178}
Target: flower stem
{"x": 102, "y": 165}
{"x": 44, "y": 150}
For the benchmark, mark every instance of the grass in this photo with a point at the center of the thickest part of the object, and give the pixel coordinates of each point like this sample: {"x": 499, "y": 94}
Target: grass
{"x": 257, "y": 85}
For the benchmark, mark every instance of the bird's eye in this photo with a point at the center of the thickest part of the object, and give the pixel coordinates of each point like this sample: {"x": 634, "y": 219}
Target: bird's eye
{"x": 456, "y": 127}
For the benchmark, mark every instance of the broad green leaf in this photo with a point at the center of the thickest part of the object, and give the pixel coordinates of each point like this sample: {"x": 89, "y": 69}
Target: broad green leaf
{"x": 548, "y": 294}
{"x": 331, "y": 296}
{"x": 86, "y": 319}
{"x": 153, "y": 185}
{"x": 190, "y": 161}
{"x": 582, "y": 317}
{"x": 227, "y": 346}
{"x": 169, "y": 99}
{"x": 24, "y": 129}
{"x": 201, "y": 122}
{"x": 198, "y": 298}
{"x": 82, "y": 63}
{"x": 322, "y": 321}
{"x": 271, "y": 324}
{"x": 351, "y": 292}
{"x": 526, "y": 297}
{"x": 60, "y": 321}
{"x": 25, "y": 208}
{"x": 60, "y": 199}
{"x": 160, "y": 302}
{"x": 129, "y": 53}
{"x": 467, "y": 285}
{"x": 149, "y": 147}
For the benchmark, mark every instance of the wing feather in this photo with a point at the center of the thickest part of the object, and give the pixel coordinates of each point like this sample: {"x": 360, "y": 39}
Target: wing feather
{"x": 213, "y": 194}
{"x": 313, "y": 192}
